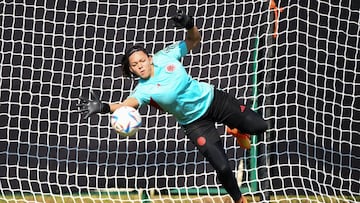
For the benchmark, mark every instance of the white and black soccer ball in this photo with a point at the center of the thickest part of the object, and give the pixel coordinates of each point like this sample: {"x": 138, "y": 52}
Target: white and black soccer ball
{"x": 126, "y": 121}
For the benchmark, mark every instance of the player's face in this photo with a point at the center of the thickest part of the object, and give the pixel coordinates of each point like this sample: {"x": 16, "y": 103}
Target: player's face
{"x": 141, "y": 65}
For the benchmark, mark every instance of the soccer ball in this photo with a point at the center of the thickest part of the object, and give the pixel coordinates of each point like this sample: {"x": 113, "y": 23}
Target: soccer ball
{"x": 126, "y": 121}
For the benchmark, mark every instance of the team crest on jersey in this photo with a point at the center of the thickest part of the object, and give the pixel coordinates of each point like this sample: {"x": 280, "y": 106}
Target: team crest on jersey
{"x": 170, "y": 68}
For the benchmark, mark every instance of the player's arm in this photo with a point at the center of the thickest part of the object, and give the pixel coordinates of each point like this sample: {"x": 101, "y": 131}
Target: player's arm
{"x": 130, "y": 101}
{"x": 90, "y": 107}
{"x": 193, "y": 37}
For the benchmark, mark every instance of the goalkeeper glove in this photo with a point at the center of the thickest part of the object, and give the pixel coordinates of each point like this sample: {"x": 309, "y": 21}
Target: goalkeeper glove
{"x": 91, "y": 107}
{"x": 181, "y": 20}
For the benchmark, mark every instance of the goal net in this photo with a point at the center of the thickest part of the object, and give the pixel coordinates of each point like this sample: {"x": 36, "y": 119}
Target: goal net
{"x": 299, "y": 69}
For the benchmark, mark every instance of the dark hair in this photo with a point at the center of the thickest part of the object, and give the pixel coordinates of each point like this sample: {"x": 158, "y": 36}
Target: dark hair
{"x": 125, "y": 60}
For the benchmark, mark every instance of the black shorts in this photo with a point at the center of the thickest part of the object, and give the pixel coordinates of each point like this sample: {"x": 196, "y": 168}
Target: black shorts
{"x": 227, "y": 110}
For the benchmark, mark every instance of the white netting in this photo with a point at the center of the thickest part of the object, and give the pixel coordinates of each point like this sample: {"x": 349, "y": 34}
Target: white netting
{"x": 308, "y": 89}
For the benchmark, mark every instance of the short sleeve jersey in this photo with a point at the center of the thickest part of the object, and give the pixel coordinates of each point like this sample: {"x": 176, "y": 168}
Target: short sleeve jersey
{"x": 172, "y": 89}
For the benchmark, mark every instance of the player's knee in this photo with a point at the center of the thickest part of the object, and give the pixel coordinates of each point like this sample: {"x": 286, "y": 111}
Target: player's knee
{"x": 256, "y": 125}
{"x": 262, "y": 126}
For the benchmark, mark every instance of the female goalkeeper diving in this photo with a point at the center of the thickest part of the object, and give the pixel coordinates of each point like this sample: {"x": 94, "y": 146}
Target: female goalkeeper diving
{"x": 165, "y": 84}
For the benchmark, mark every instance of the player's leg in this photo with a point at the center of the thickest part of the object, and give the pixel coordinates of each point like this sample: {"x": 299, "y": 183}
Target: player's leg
{"x": 244, "y": 119}
{"x": 232, "y": 112}
{"x": 218, "y": 159}
{"x": 241, "y": 119}
{"x": 206, "y": 137}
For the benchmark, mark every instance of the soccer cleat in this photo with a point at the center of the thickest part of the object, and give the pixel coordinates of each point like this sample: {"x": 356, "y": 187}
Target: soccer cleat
{"x": 243, "y": 199}
{"x": 243, "y": 139}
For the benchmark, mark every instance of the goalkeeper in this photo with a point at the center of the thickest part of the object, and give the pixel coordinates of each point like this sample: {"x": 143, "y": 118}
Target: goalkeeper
{"x": 165, "y": 84}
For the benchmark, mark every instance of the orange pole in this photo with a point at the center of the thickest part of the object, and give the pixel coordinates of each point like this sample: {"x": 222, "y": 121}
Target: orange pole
{"x": 277, "y": 10}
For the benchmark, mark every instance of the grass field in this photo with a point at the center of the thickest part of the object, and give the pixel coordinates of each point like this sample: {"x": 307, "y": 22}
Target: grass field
{"x": 135, "y": 198}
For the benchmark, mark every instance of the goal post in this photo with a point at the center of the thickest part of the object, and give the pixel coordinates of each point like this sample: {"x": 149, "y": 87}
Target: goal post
{"x": 305, "y": 82}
